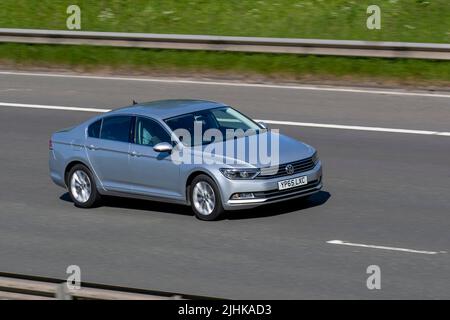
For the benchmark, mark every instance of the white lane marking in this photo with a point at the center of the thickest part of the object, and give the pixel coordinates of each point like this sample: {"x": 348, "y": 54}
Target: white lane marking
{"x": 234, "y": 84}
{"x": 38, "y": 106}
{"x": 340, "y": 242}
{"x": 359, "y": 128}
{"x": 285, "y": 123}
{"x": 13, "y": 89}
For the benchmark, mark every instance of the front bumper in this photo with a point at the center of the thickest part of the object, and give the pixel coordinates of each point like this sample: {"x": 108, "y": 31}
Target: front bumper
{"x": 266, "y": 191}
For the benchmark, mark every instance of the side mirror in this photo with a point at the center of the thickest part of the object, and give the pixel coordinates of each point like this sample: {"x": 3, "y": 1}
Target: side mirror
{"x": 262, "y": 124}
{"x": 163, "y": 147}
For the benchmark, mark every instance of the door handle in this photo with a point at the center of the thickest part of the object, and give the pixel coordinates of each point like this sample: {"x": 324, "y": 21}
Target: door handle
{"x": 92, "y": 147}
{"x": 135, "y": 154}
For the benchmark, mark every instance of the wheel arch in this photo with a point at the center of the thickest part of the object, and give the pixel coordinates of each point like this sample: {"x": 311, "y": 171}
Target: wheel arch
{"x": 69, "y": 167}
{"x": 191, "y": 177}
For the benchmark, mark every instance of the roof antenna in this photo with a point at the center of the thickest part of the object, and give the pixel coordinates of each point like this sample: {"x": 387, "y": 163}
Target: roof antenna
{"x": 134, "y": 102}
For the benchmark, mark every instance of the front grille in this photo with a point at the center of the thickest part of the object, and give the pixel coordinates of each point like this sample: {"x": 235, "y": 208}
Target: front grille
{"x": 280, "y": 170}
{"x": 271, "y": 194}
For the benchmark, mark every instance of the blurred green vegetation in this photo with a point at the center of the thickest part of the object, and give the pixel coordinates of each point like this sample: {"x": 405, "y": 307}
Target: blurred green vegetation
{"x": 402, "y": 20}
{"x": 289, "y": 67}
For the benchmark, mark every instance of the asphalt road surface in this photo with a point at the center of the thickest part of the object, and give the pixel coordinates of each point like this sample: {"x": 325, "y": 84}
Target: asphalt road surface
{"x": 381, "y": 189}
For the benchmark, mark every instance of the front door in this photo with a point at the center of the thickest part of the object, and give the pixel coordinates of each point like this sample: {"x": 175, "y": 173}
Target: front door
{"x": 153, "y": 173}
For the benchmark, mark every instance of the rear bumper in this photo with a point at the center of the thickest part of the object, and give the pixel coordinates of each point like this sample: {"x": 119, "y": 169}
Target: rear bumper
{"x": 56, "y": 170}
{"x": 269, "y": 193}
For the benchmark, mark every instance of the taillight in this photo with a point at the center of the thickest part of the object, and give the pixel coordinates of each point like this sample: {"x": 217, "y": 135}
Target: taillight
{"x": 50, "y": 145}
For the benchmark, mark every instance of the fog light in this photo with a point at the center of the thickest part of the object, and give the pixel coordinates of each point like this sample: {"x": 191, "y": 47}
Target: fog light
{"x": 240, "y": 196}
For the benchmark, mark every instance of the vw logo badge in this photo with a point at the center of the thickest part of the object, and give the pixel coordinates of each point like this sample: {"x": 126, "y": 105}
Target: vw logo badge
{"x": 289, "y": 169}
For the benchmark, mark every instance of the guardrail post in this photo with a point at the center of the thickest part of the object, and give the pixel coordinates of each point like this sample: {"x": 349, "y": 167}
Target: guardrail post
{"x": 62, "y": 292}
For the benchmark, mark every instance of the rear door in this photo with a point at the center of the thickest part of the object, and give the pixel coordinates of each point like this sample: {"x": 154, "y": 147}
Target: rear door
{"x": 108, "y": 151}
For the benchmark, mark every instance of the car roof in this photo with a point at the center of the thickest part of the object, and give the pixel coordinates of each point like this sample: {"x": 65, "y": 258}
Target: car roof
{"x": 164, "y": 109}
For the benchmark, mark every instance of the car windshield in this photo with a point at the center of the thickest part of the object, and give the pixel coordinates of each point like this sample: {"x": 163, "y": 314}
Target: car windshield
{"x": 212, "y": 125}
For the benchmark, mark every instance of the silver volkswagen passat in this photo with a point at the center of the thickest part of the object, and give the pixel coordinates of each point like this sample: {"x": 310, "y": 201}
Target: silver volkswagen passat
{"x": 191, "y": 152}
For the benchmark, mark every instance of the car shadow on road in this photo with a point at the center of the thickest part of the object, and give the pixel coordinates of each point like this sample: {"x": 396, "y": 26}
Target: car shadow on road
{"x": 260, "y": 212}
{"x": 138, "y": 204}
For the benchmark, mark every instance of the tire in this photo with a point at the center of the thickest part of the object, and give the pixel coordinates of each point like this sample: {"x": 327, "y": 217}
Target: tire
{"x": 202, "y": 201}
{"x": 80, "y": 178}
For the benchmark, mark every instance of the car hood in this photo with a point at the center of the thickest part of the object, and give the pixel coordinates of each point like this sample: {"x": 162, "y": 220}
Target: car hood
{"x": 289, "y": 150}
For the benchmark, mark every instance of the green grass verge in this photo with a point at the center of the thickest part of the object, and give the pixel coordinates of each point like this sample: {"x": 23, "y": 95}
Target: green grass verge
{"x": 402, "y": 20}
{"x": 286, "y": 67}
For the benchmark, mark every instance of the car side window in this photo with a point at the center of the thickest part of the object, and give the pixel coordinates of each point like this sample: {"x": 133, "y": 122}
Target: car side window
{"x": 150, "y": 133}
{"x": 94, "y": 129}
{"x": 116, "y": 128}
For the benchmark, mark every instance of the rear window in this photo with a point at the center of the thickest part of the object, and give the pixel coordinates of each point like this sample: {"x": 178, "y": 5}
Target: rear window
{"x": 94, "y": 129}
{"x": 116, "y": 128}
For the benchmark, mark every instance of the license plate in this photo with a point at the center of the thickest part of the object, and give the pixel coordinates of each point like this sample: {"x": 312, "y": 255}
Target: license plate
{"x": 291, "y": 183}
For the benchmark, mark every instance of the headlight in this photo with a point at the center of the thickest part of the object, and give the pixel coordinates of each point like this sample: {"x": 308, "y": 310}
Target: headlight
{"x": 239, "y": 174}
{"x": 315, "y": 157}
